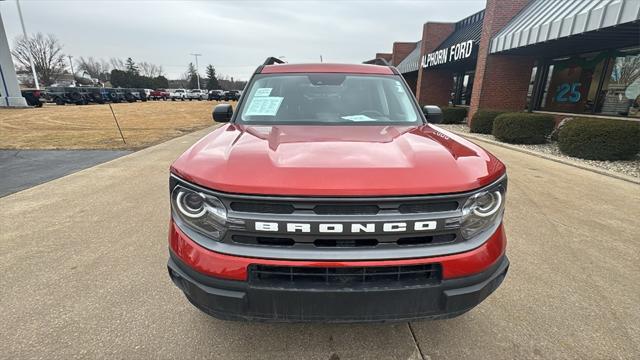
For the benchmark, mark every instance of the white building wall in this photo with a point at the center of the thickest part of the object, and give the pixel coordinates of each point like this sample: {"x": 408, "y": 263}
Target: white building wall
{"x": 10, "y": 95}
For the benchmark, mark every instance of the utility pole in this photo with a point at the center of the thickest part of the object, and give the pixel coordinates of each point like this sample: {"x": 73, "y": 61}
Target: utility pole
{"x": 24, "y": 33}
{"x": 197, "y": 70}
{"x": 73, "y": 74}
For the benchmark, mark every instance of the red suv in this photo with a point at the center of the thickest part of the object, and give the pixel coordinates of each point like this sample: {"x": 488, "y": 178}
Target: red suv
{"x": 328, "y": 195}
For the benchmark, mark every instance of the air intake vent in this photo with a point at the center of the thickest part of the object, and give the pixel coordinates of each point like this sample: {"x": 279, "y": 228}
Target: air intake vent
{"x": 346, "y": 209}
{"x": 296, "y": 276}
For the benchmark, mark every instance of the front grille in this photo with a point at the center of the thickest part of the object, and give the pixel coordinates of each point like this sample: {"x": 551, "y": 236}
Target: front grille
{"x": 298, "y": 276}
{"x": 344, "y": 243}
{"x": 413, "y": 208}
{"x": 264, "y": 208}
{"x": 346, "y": 209}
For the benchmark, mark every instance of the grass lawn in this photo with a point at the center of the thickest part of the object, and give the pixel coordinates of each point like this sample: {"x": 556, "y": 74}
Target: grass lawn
{"x": 93, "y": 127}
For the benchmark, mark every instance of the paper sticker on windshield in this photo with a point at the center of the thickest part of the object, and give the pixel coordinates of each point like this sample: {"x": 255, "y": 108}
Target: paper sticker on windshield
{"x": 264, "y": 105}
{"x": 358, "y": 118}
{"x": 263, "y": 92}
{"x": 399, "y": 87}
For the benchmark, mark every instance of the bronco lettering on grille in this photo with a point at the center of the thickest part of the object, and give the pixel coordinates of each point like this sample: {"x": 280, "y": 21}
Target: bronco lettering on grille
{"x": 346, "y": 228}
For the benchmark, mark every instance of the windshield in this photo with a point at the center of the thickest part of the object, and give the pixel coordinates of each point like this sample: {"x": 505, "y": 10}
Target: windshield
{"x": 328, "y": 98}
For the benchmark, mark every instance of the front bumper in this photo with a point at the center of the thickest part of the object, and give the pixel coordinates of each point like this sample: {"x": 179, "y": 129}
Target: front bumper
{"x": 237, "y": 300}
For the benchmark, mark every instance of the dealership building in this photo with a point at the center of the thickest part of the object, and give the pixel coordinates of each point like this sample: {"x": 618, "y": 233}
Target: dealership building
{"x": 567, "y": 58}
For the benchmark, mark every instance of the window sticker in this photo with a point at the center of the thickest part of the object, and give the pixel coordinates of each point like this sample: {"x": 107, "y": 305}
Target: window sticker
{"x": 263, "y": 92}
{"x": 264, "y": 106}
{"x": 399, "y": 87}
{"x": 358, "y": 118}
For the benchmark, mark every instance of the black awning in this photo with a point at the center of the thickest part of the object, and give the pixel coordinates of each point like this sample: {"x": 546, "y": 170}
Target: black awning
{"x": 466, "y": 30}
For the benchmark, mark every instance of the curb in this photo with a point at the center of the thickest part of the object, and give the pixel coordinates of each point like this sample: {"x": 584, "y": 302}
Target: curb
{"x": 551, "y": 157}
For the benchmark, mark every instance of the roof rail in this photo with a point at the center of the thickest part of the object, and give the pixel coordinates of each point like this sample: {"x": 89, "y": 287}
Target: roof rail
{"x": 378, "y": 61}
{"x": 272, "y": 60}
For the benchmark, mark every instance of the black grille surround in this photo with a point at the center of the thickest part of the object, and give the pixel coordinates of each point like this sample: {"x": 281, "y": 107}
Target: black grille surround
{"x": 314, "y": 277}
{"x": 244, "y": 212}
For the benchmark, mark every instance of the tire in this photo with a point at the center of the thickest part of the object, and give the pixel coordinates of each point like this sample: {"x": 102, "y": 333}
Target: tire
{"x": 59, "y": 101}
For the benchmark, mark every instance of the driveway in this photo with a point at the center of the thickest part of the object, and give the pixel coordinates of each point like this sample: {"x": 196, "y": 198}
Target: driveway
{"x": 22, "y": 169}
{"x": 83, "y": 264}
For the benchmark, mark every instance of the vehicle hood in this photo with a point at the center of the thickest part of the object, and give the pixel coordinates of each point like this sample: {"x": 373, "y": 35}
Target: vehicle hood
{"x": 336, "y": 160}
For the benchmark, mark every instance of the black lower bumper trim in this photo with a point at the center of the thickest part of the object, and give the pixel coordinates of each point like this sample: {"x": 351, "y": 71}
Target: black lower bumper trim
{"x": 237, "y": 300}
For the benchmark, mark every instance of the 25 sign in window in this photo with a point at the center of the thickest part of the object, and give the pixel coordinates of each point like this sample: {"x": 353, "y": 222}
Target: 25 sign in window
{"x": 568, "y": 93}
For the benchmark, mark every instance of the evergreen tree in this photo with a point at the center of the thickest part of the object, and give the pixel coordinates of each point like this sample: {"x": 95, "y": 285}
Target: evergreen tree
{"x": 212, "y": 80}
{"x": 131, "y": 66}
{"x": 192, "y": 75}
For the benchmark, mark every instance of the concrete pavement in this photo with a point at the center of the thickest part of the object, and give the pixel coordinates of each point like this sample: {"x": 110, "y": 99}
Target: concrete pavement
{"x": 83, "y": 263}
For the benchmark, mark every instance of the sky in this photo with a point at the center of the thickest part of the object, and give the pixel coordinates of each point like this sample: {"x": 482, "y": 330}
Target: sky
{"x": 234, "y": 36}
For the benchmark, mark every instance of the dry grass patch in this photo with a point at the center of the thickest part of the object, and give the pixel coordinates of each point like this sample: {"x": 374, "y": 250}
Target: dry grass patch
{"x": 93, "y": 127}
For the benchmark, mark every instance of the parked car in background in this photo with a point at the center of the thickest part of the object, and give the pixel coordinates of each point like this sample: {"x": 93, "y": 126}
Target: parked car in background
{"x": 197, "y": 94}
{"x": 142, "y": 94}
{"x": 176, "y": 94}
{"x": 96, "y": 95}
{"x": 66, "y": 95}
{"x": 159, "y": 94}
{"x": 114, "y": 95}
{"x": 32, "y": 96}
{"x": 131, "y": 95}
{"x": 231, "y": 95}
{"x": 215, "y": 95}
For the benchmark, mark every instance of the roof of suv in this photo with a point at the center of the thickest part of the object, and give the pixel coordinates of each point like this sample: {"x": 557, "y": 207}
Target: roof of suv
{"x": 327, "y": 68}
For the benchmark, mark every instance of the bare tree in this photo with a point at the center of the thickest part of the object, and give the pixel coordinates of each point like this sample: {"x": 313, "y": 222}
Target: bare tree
{"x": 150, "y": 70}
{"x": 48, "y": 58}
{"x": 98, "y": 69}
{"x": 118, "y": 64}
{"x": 626, "y": 69}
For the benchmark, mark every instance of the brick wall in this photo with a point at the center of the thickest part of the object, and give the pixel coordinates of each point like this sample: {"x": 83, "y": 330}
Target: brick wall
{"x": 400, "y": 51}
{"x": 501, "y": 81}
{"x": 434, "y": 85}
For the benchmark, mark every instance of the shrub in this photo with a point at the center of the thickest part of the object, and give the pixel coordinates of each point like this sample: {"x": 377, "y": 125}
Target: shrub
{"x": 482, "y": 121}
{"x": 556, "y": 131}
{"x": 600, "y": 139}
{"x": 523, "y": 128}
{"x": 453, "y": 115}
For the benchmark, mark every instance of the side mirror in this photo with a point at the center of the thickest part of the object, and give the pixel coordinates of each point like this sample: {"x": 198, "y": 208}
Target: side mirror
{"x": 222, "y": 113}
{"x": 433, "y": 114}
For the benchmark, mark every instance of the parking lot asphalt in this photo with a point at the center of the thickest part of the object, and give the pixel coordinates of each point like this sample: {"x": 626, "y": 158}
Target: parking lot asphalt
{"x": 22, "y": 169}
{"x": 83, "y": 263}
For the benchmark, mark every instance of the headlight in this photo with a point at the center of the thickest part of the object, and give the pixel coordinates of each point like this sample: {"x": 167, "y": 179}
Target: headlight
{"x": 481, "y": 211}
{"x": 202, "y": 212}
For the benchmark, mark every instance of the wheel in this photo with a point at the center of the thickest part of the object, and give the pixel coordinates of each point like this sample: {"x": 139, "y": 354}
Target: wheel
{"x": 59, "y": 101}
{"x": 190, "y": 99}
{"x": 182, "y": 99}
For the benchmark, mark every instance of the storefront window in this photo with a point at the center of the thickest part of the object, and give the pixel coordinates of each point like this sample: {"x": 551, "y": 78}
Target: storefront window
{"x": 465, "y": 91}
{"x": 572, "y": 84}
{"x": 461, "y": 88}
{"x": 532, "y": 82}
{"x": 620, "y": 94}
{"x": 606, "y": 83}
{"x": 453, "y": 93}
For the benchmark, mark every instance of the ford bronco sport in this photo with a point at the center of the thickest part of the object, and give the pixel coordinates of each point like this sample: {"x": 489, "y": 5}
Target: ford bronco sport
{"x": 327, "y": 195}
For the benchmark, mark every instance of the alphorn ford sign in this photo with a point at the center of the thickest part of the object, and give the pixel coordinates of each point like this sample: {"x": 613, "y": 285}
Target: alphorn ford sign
{"x": 457, "y": 52}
